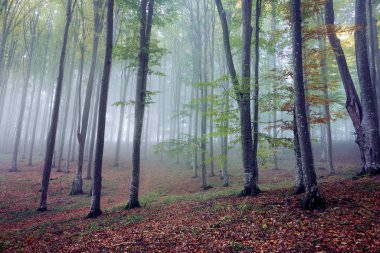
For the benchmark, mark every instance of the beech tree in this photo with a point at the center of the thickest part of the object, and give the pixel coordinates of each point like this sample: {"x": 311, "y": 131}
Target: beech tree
{"x": 146, "y": 16}
{"x": 242, "y": 92}
{"x": 98, "y": 8}
{"x": 54, "y": 120}
{"x": 312, "y": 197}
{"x": 369, "y": 120}
{"x": 97, "y": 186}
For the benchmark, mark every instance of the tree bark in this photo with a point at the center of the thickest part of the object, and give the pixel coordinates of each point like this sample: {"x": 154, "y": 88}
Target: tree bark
{"x": 300, "y": 185}
{"x": 256, "y": 90}
{"x": 143, "y": 58}
{"x": 312, "y": 198}
{"x": 97, "y": 186}
{"x": 370, "y": 121}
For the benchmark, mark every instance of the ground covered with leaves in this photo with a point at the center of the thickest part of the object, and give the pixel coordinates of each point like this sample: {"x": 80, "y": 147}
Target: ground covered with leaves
{"x": 177, "y": 217}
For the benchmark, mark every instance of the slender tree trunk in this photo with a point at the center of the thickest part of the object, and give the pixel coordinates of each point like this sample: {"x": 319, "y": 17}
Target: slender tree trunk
{"x": 77, "y": 185}
{"x": 145, "y": 30}
{"x": 30, "y": 54}
{"x": 30, "y": 112}
{"x": 243, "y": 93}
{"x": 67, "y": 109}
{"x": 326, "y": 109}
{"x": 370, "y": 121}
{"x": 122, "y": 116}
{"x": 225, "y": 137}
{"x": 203, "y": 94}
{"x": 4, "y": 82}
{"x": 312, "y": 198}
{"x": 38, "y": 103}
{"x": 275, "y": 102}
{"x": 97, "y": 186}
{"x": 54, "y": 120}
{"x": 93, "y": 131}
{"x": 256, "y": 91}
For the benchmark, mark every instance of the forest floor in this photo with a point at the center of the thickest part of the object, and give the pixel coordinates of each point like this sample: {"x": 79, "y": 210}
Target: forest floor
{"x": 177, "y": 217}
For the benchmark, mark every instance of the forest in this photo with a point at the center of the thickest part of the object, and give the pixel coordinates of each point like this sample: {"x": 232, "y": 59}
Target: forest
{"x": 189, "y": 126}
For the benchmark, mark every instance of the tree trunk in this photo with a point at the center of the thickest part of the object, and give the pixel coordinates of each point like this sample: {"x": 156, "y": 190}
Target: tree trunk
{"x": 54, "y": 120}
{"x": 243, "y": 93}
{"x": 93, "y": 131}
{"x": 353, "y": 104}
{"x": 77, "y": 186}
{"x": 312, "y": 198}
{"x": 370, "y": 122}
{"x": 326, "y": 107}
{"x": 274, "y": 69}
{"x": 67, "y": 109}
{"x": 121, "y": 117}
{"x": 143, "y": 58}
{"x": 203, "y": 92}
{"x": 30, "y": 112}
{"x": 256, "y": 90}
{"x": 97, "y": 186}
{"x": 38, "y": 103}
{"x": 212, "y": 66}
{"x": 30, "y": 54}
{"x": 225, "y": 137}
{"x": 374, "y": 53}
{"x": 300, "y": 185}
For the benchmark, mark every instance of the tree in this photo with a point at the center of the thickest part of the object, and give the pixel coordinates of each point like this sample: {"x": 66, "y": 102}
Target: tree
{"x": 256, "y": 89}
{"x": 326, "y": 106}
{"x": 312, "y": 198}
{"x": 97, "y": 186}
{"x": 50, "y": 145}
{"x": 353, "y": 105}
{"x": 29, "y": 48}
{"x": 242, "y": 92}
{"x": 369, "y": 121}
{"x": 146, "y": 16}
{"x": 77, "y": 186}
